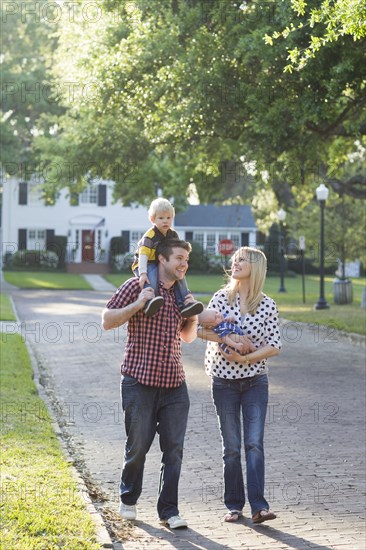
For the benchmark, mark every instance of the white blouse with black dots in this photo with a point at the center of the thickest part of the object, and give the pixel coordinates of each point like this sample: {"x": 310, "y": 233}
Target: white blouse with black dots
{"x": 262, "y": 328}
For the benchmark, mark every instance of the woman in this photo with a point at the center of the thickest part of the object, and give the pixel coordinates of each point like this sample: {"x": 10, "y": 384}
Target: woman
{"x": 240, "y": 382}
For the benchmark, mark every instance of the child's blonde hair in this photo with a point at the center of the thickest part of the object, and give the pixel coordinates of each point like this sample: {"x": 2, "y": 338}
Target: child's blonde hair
{"x": 160, "y": 205}
{"x": 258, "y": 263}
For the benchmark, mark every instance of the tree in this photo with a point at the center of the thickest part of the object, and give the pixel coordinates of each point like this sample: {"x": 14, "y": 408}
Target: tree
{"x": 344, "y": 228}
{"x": 26, "y": 91}
{"x": 184, "y": 88}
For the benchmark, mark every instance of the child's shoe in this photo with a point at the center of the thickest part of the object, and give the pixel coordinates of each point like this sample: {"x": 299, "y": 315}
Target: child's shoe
{"x": 153, "y": 306}
{"x": 193, "y": 308}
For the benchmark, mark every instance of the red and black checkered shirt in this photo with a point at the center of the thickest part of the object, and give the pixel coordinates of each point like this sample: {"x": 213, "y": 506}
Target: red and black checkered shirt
{"x": 153, "y": 349}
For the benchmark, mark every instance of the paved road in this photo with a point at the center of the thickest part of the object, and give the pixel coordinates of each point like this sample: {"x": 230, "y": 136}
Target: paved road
{"x": 315, "y": 440}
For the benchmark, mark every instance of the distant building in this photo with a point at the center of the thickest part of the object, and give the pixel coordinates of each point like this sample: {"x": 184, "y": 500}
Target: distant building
{"x": 90, "y": 219}
{"x": 209, "y": 224}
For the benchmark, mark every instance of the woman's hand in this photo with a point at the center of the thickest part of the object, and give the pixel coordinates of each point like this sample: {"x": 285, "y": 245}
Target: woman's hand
{"x": 232, "y": 355}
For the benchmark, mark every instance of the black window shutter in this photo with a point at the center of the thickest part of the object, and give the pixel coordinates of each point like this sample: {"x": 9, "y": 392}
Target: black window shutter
{"x": 102, "y": 195}
{"x": 50, "y": 233}
{"x": 126, "y": 240}
{"x": 244, "y": 239}
{"x": 189, "y": 236}
{"x": 22, "y": 239}
{"x": 23, "y": 193}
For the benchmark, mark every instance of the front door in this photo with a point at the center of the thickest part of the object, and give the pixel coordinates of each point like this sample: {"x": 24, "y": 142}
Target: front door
{"x": 87, "y": 243}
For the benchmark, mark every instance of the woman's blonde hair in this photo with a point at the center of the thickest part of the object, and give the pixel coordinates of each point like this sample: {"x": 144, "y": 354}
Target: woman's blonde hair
{"x": 258, "y": 262}
{"x": 160, "y": 205}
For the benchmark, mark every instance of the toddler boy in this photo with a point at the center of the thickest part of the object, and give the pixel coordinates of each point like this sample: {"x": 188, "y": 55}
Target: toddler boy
{"x": 161, "y": 215}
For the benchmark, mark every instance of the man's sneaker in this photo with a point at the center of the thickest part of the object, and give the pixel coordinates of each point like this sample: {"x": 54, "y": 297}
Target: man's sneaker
{"x": 193, "y": 308}
{"x": 153, "y": 306}
{"x": 175, "y": 522}
{"x": 127, "y": 511}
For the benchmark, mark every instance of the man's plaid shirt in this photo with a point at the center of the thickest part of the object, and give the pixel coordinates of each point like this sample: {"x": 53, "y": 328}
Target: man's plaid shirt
{"x": 153, "y": 353}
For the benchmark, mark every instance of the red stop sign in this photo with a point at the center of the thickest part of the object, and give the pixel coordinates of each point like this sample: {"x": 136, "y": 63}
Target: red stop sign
{"x": 226, "y": 247}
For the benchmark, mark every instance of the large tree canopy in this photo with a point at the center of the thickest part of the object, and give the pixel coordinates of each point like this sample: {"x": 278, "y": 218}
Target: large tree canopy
{"x": 171, "y": 93}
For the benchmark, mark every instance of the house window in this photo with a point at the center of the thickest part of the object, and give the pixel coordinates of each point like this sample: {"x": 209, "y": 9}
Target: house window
{"x": 199, "y": 238}
{"x": 211, "y": 244}
{"x": 77, "y": 238}
{"x": 236, "y": 240}
{"x": 135, "y": 237}
{"x": 36, "y": 239}
{"x": 89, "y": 195}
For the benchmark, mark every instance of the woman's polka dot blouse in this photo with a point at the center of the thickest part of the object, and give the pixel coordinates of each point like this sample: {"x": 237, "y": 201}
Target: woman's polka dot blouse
{"x": 262, "y": 328}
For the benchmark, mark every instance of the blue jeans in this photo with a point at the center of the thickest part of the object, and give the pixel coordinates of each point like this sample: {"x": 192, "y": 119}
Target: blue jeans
{"x": 180, "y": 287}
{"x": 245, "y": 398}
{"x": 149, "y": 410}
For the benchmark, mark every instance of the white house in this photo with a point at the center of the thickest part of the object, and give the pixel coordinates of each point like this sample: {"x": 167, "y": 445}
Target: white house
{"x": 90, "y": 219}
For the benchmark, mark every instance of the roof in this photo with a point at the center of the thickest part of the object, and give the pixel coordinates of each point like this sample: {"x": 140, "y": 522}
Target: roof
{"x": 210, "y": 215}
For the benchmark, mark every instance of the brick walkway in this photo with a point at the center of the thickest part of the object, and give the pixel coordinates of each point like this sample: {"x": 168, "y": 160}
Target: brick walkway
{"x": 315, "y": 441}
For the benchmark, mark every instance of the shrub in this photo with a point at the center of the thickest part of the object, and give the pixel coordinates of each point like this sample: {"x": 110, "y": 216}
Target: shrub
{"x": 216, "y": 265}
{"x": 123, "y": 262}
{"x": 59, "y": 246}
{"x": 35, "y": 259}
{"x": 197, "y": 259}
{"x": 8, "y": 261}
{"x": 117, "y": 248}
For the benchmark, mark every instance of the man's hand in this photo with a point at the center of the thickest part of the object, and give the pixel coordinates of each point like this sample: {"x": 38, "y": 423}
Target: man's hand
{"x": 113, "y": 318}
{"x": 145, "y": 295}
{"x": 143, "y": 279}
{"x": 188, "y": 299}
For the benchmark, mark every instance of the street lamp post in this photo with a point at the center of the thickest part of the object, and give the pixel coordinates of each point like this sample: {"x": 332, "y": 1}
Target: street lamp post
{"x": 281, "y": 248}
{"x": 322, "y": 195}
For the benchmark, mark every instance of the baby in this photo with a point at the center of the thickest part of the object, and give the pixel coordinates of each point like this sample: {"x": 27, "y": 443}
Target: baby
{"x": 222, "y": 326}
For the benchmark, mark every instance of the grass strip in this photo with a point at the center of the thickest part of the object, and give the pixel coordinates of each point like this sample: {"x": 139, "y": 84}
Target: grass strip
{"x": 46, "y": 280}
{"x": 41, "y": 507}
{"x": 6, "y": 309}
{"x": 345, "y": 317}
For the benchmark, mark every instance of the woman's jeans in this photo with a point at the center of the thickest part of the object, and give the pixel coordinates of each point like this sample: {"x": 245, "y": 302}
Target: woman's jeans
{"x": 149, "y": 410}
{"x": 233, "y": 399}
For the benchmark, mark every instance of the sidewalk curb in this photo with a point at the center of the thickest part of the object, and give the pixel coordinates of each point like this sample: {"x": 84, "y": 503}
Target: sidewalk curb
{"x": 343, "y": 336}
{"x": 101, "y": 533}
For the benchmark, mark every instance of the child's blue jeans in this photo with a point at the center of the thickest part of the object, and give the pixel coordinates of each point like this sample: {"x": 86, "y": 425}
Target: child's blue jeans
{"x": 180, "y": 287}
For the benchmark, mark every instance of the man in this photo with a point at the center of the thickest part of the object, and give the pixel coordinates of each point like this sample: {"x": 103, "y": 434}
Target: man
{"x": 154, "y": 392}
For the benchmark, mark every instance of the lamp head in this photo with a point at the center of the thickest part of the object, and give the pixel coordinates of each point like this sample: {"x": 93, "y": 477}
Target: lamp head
{"x": 322, "y": 192}
{"x": 281, "y": 215}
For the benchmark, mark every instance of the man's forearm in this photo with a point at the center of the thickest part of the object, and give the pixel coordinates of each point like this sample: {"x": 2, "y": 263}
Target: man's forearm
{"x": 208, "y": 334}
{"x": 113, "y": 318}
{"x": 189, "y": 330}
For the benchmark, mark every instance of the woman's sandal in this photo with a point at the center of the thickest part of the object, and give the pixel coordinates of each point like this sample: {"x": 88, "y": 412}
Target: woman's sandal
{"x": 263, "y": 515}
{"x": 232, "y": 515}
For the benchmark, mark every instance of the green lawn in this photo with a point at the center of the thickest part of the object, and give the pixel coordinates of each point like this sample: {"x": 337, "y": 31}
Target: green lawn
{"x": 46, "y": 280}
{"x": 40, "y": 503}
{"x": 349, "y": 318}
{"x": 6, "y": 310}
